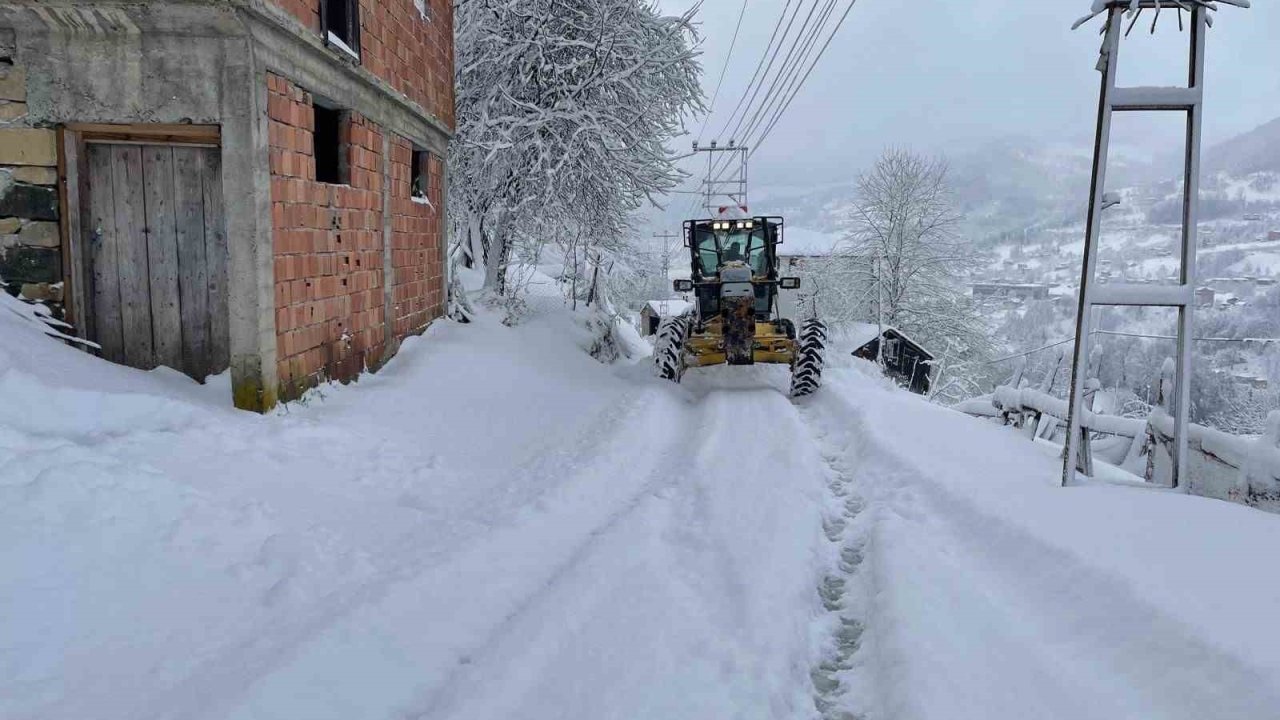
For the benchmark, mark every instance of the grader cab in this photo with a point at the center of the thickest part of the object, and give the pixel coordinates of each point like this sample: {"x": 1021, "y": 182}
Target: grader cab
{"x": 735, "y": 321}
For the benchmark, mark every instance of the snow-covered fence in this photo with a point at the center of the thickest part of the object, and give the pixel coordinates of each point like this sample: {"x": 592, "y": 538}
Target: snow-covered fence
{"x": 1043, "y": 416}
{"x": 1237, "y": 468}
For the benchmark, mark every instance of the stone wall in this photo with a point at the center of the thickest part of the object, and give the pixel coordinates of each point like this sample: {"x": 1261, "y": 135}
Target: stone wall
{"x": 30, "y": 237}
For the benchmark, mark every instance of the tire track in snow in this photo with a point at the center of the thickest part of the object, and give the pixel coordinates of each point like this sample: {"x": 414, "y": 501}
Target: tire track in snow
{"x": 221, "y": 681}
{"x": 689, "y": 602}
{"x": 450, "y": 691}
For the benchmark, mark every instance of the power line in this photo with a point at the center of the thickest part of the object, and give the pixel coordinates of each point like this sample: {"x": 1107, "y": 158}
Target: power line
{"x": 753, "y": 107}
{"x": 1132, "y": 335}
{"x": 1029, "y": 352}
{"x": 752, "y": 82}
{"x": 796, "y": 81}
{"x": 794, "y": 89}
{"x": 786, "y": 75}
{"x": 1199, "y": 339}
{"x": 773, "y": 56}
{"x": 804, "y": 79}
{"x": 732, "y": 44}
{"x": 783, "y": 83}
{"x": 759, "y": 65}
{"x": 721, "y": 166}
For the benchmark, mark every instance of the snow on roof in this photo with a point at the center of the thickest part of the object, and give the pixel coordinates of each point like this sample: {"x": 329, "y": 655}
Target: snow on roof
{"x": 803, "y": 242}
{"x": 859, "y": 334}
{"x": 669, "y": 308}
{"x": 862, "y": 333}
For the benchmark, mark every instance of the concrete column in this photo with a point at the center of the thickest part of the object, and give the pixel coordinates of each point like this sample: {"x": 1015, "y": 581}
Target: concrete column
{"x": 391, "y": 343}
{"x": 246, "y": 182}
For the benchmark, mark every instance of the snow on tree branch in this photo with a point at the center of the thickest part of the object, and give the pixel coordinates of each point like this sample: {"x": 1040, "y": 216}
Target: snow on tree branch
{"x": 564, "y": 113}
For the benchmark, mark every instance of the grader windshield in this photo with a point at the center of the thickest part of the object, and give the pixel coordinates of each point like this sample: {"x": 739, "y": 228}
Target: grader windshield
{"x": 720, "y": 242}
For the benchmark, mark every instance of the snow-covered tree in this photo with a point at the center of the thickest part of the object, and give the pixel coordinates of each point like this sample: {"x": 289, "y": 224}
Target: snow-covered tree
{"x": 564, "y": 113}
{"x": 903, "y": 235}
{"x": 903, "y": 262}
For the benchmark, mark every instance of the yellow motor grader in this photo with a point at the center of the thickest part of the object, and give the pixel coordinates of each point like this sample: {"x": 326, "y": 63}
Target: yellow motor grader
{"x": 735, "y": 319}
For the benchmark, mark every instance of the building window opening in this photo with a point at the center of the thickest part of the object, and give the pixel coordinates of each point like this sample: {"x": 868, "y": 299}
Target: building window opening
{"x": 340, "y": 25}
{"x": 420, "y": 176}
{"x": 330, "y": 146}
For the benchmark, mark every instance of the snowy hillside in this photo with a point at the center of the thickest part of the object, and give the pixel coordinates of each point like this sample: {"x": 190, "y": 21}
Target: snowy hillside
{"x": 497, "y": 526}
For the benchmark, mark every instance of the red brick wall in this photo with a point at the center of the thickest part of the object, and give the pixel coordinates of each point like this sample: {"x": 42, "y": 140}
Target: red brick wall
{"x": 417, "y": 249}
{"x": 328, "y": 248}
{"x": 415, "y": 56}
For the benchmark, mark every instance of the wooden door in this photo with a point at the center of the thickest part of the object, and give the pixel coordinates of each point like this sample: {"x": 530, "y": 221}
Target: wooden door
{"x": 156, "y": 254}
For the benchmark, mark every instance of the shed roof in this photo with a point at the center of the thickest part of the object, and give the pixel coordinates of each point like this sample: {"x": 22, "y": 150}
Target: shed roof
{"x": 668, "y": 308}
{"x": 861, "y": 334}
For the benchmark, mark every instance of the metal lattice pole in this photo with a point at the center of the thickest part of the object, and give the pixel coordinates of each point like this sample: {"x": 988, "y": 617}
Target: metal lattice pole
{"x": 1112, "y": 99}
{"x": 715, "y": 184}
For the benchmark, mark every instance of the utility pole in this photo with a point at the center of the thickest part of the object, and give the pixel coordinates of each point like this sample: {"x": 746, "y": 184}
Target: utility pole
{"x": 716, "y": 184}
{"x": 1188, "y": 101}
{"x": 668, "y": 246}
{"x": 879, "y": 306}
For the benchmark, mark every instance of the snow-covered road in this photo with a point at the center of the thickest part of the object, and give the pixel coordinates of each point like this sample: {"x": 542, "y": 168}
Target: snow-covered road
{"x": 496, "y": 526}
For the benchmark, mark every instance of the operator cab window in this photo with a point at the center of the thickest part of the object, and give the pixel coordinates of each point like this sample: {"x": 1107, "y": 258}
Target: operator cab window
{"x": 708, "y": 253}
{"x": 747, "y": 246}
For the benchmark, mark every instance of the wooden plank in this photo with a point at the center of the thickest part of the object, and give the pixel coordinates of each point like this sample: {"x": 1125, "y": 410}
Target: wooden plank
{"x": 162, "y": 255}
{"x": 153, "y": 133}
{"x": 188, "y": 196}
{"x": 75, "y": 185}
{"x": 216, "y": 254}
{"x": 131, "y": 255}
{"x": 69, "y": 283}
{"x": 69, "y": 158}
{"x": 100, "y": 237}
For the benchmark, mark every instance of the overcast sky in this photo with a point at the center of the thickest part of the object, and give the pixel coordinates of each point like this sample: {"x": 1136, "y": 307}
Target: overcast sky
{"x": 947, "y": 75}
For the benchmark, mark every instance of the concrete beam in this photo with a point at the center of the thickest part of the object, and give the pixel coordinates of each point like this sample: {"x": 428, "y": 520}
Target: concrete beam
{"x": 285, "y": 47}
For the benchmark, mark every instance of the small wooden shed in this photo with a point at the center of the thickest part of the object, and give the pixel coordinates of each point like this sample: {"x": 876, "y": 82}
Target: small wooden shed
{"x": 905, "y": 360}
{"x": 654, "y": 310}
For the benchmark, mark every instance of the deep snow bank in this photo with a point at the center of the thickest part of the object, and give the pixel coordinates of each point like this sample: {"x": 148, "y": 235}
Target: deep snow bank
{"x": 495, "y": 525}
{"x": 997, "y": 594}
{"x": 160, "y": 552}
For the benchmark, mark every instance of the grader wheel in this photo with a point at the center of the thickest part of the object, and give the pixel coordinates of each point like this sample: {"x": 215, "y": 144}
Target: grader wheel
{"x": 668, "y": 352}
{"x": 806, "y": 370}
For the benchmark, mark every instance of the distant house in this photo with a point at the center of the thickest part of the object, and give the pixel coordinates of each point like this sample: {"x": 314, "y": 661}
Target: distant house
{"x": 905, "y": 360}
{"x": 1205, "y": 296}
{"x": 1273, "y": 236}
{"x": 1020, "y": 291}
{"x": 653, "y": 311}
{"x": 803, "y": 252}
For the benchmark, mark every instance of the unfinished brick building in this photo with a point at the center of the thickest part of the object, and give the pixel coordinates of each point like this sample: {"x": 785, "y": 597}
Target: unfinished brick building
{"x": 252, "y": 184}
